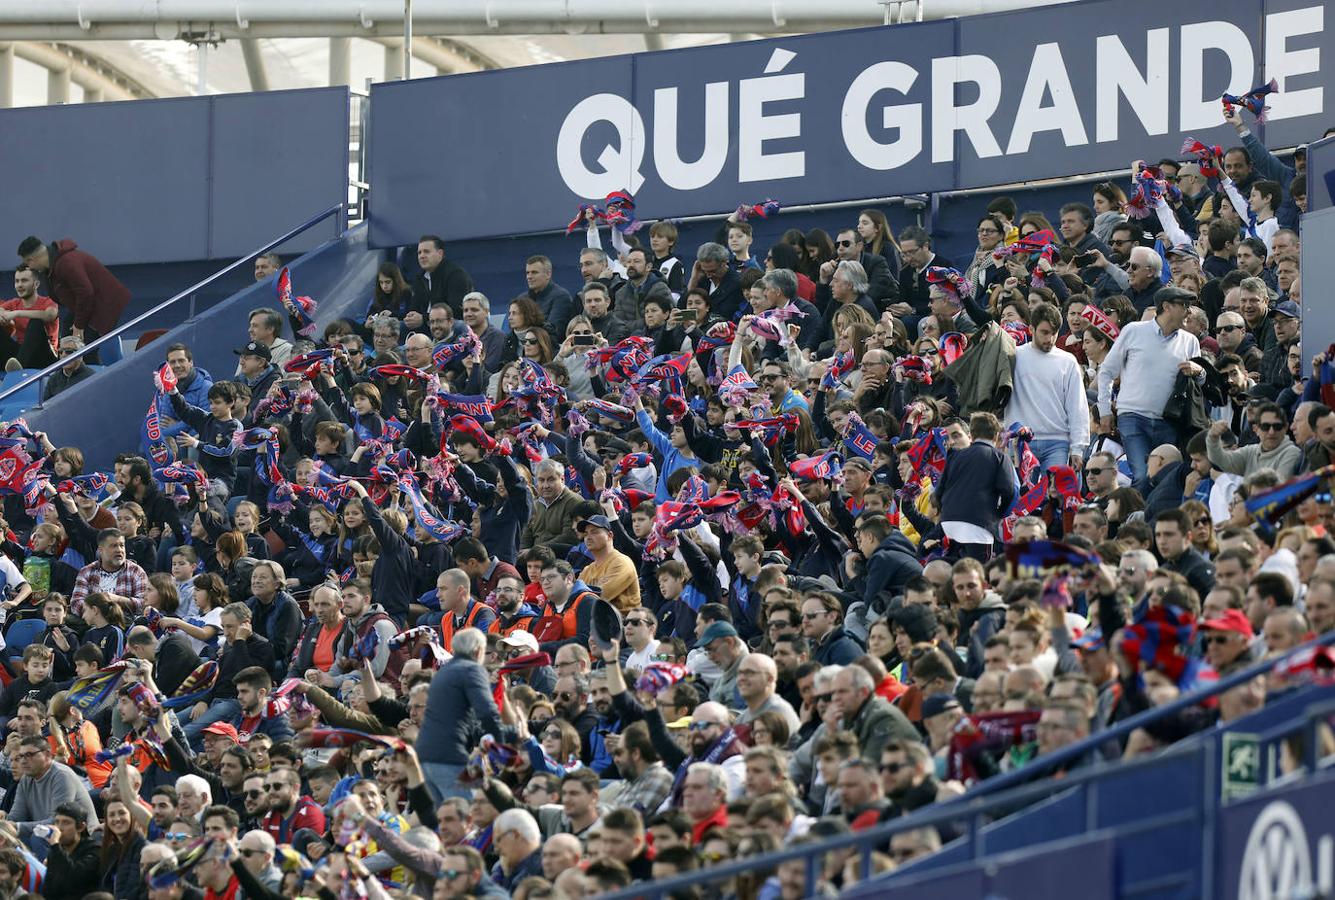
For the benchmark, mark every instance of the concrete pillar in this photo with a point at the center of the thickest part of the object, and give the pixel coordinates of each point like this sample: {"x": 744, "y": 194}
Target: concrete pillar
{"x": 394, "y": 61}
{"x": 6, "y": 76}
{"x": 93, "y": 95}
{"x": 58, "y": 85}
{"x": 340, "y": 61}
{"x": 259, "y": 78}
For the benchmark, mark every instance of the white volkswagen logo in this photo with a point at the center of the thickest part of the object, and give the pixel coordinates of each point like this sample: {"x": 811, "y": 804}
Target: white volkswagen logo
{"x": 1276, "y": 863}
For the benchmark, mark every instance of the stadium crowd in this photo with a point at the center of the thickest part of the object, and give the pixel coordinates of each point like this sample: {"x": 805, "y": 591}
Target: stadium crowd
{"x": 730, "y": 550}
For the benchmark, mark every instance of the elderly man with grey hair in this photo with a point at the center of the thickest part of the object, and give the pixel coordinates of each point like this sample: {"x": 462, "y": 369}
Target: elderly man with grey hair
{"x": 713, "y": 272}
{"x": 517, "y": 841}
{"x": 459, "y": 704}
{"x": 554, "y": 508}
{"x": 1134, "y": 571}
{"x": 848, "y": 285}
{"x": 780, "y": 287}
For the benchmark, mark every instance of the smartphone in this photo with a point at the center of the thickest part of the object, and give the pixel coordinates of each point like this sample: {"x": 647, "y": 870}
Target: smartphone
{"x": 688, "y": 315}
{"x": 582, "y": 340}
{"x": 1086, "y": 259}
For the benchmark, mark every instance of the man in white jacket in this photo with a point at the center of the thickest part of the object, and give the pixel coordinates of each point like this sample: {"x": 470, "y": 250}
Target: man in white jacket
{"x": 1049, "y": 394}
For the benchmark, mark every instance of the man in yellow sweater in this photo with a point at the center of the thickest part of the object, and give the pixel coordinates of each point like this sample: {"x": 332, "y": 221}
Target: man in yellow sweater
{"x": 612, "y": 572}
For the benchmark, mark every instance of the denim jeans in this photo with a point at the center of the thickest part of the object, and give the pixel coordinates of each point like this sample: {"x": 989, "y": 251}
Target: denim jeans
{"x": 219, "y": 711}
{"x": 442, "y": 780}
{"x": 1140, "y": 435}
{"x": 1051, "y": 453}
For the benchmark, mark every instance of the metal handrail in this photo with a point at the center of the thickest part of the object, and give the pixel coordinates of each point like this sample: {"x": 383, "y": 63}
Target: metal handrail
{"x": 1019, "y": 787}
{"x": 120, "y": 329}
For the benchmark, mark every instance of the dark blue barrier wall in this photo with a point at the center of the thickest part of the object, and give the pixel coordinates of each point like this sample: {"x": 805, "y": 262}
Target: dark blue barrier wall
{"x": 825, "y": 117}
{"x": 103, "y": 415}
{"x": 1321, "y": 174}
{"x": 171, "y": 180}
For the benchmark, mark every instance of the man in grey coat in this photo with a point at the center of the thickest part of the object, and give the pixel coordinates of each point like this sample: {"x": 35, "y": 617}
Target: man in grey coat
{"x": 628, "y": 301}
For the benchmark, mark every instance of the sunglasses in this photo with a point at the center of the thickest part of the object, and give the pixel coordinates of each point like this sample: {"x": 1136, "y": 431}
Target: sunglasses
{"x": 807, "y": 617}
{"x": 566, "y": 695}
{"x": 530, "y": 340}
{"x": 1270, "y": 426}
{"x": 637, "y": 622}
{"x": 823, "y": 698}
{"x": 702, "y": 726}
{"x": 255, "y": 795}
{"x": 1094, "y": 470}
{"x": 1217, "y": 639}
{"x": 892, "y": 768}
{"x": 177, "y": 835}
{"x": 249, "y": 853}
{"x": 1224, "y": 329}
{"x": 843, "y": 243}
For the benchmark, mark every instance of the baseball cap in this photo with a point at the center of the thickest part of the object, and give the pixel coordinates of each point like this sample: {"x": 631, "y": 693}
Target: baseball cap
{"x": 1090, "y": 640}
{"x": 521, "y": 638}
{"x": 595, "y": 521}
{"x": 1231, "y": 620}
{"x": 679, "y": 724}
{"x": 1288, "y": 309}
{"x": 223, "y": 729}
{"x": 937, "y": 704}
{"x": 715, "y": 631}
{"x": 255, "y": 348}
{"x": 1184, "y": 250}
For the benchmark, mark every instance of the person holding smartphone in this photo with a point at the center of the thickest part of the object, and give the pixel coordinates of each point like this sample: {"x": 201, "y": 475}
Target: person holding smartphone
{"x": 574, "y": 350}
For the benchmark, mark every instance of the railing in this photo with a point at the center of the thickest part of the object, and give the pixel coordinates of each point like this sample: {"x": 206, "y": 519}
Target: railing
{"x": 1011, "y": 792}
{"x": 171, "y": 301}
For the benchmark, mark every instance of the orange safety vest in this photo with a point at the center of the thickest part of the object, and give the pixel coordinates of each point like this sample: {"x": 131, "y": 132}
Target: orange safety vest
{"x": 570, "y": 617}
{"x": 522, "y": 623}
{"x": 447, "y": 627}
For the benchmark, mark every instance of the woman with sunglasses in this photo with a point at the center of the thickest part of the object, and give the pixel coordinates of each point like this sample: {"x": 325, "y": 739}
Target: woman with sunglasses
{"x": 1108, "y": 202}
{"x": 524, "y": 315}
{"x": 942, "y": 390}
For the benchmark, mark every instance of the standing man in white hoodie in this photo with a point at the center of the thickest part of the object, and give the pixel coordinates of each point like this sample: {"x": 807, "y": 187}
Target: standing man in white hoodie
{"x": 1049, "y": 394}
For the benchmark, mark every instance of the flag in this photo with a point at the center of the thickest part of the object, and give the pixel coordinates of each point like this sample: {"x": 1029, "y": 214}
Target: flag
{"x": 657, "y": 677}
{"x": 817, "y": 468}
{"x": 447, "y": 353}
{"x": 88, "y": 693}
{"x": 763, "y": 210}
{"x": 346, "y": 737}
{"x": 308, "y": 364}
{"x": 1268, "y": 507}
{"x": 477, "y": 406}
{"x": 95, "y": 485}
{"x": 195, "y": 687}
{"x": 440, "y": 529}
{"x": 1100, "y": 320}
{"x": 397, "y": 370}
{"x": 1253, "y": 101}
{"x": 1161, "y": 638}
{"x": 155, "y": 444}
{"x": 181, "y": 473}
{"x": 735, "y": 388}
{"x": 620, "y": 212}
{"x": 608, "y": 410}
{"x": 858, "y": 438}
{"x": 841, "y": 365}
{"x": 771, "y": 428}
{"x": 772, "y": 324}
{"x": 929, "y": 452}
{"x": 1205, "y": 156}
{"x": 915, "y": 368}
{"x": 302, "y": 309}
{"x": 1036, "y": 559}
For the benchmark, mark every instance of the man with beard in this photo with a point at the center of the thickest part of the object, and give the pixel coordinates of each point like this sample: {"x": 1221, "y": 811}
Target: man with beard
{"x": 485, "y": 570}
{"x": 513, "y": 614}
{"x": 606, "y": 735}
{"x": 596, "y": 301}
{"x": 791, "y": 653}
{"x": 571, "y": 701}
{"x": 713, "y": 740}
{"x": 458, "y": 608}
{"x": 611, "y": 573}
{"x": 289, "y": 811}
{"x": 477, "y": 310}
{"x": 906, "y": 778}
{"x": 256, "y": 805}
{"x": 163, "y": 803}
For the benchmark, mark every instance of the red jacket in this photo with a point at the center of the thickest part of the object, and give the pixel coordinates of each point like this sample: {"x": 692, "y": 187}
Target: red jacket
{"x": 86, "y": 287}
{"x": 308, "y": 814}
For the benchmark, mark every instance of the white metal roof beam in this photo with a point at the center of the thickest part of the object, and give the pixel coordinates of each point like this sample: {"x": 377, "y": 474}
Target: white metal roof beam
{"x": 221, "y": 19}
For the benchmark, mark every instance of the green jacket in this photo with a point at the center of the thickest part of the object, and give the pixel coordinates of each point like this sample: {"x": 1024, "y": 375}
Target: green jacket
{"x": 985, "y": 372}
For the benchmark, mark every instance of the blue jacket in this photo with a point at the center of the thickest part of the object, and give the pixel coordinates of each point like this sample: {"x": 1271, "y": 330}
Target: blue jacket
{"x": 196, "y": 393}
{"x": 673, "y": 459}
